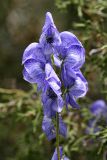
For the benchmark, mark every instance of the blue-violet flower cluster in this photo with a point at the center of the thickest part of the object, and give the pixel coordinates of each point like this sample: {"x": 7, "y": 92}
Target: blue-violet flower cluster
{"x": 98, "y": 110}
{"x": 54, "y": 65}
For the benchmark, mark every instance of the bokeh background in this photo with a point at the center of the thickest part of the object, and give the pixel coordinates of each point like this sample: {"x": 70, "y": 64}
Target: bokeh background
{"x": 21, "y": 21}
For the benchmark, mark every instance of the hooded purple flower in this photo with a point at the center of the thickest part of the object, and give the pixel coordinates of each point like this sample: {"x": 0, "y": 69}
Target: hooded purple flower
{"x": 71, "y": 50}
{"x": 55, "y": 156}
{"x": 70, "y": 57}
{"x": 74, "y": 59}
{"x": 49, "y": 38}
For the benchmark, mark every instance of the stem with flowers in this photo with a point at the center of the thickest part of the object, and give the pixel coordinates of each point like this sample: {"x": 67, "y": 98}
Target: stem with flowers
{"x": 42, "y": 62}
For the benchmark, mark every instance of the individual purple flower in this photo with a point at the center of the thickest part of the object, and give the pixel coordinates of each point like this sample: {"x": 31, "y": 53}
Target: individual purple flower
{"x": 49, "y": 38}
{"x": 71, "y": 48}
{"x": 72, "y": 56}
{"x": 55, "y": 156}
{"x": 69, "y": 58}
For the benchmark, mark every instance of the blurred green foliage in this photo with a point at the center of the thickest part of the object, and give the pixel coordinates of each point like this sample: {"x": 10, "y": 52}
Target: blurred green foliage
{"x": 21, "y": 136}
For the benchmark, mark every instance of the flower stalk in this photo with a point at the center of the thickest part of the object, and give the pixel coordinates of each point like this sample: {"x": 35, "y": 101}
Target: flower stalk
{"x": 57, "y": 135}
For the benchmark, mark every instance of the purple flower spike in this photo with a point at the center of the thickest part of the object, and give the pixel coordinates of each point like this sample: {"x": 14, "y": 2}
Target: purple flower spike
{"x": 54, "y": 65}
{"x": 55, "y": 156}
{"x": 48, "y": 128}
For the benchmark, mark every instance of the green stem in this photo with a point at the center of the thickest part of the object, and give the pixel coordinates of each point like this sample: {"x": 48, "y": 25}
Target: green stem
{"x": 57, "y": 135}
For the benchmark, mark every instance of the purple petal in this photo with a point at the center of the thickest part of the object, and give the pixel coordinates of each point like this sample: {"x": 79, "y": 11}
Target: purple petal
{"x": 35, "y": 70}
{"x": 52, "y": 79}
{"x": 48, "y": 128}
{"x": 55, "y": 156}
{"x": 27, "y": 77}
{"x": 57, "y": 61}
{"x": 33, "y": 51}
{"x": 75, "y": 56}
{"x": 79, "y": 89}
{"x": 48, "y": 21}
{"x": 49, "y": 35}
{"x": 68, "y": 75}
{"x": 69, "y": 39}
{"x": 98, "y": 107}
{"x": 58, "y": 104}
{"x": 48, "y": 108}
{"x": 62, "y": 127}
{"x": 72, "y": 101}
{"x": 51, "y": 103}
{"x": 79, "y": 74}
{"x": 48, "y": 105}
